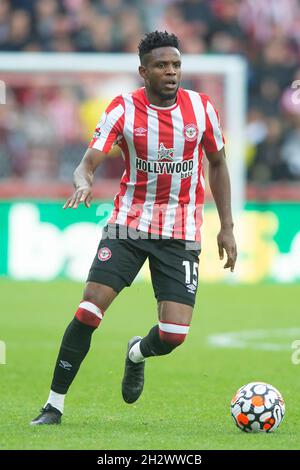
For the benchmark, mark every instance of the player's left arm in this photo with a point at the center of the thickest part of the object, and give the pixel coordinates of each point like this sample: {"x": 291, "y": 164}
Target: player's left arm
{"x": 220, "y": 186}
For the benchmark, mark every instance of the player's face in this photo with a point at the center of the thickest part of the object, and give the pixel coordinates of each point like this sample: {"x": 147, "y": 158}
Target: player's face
{"x": 162, "y": 72}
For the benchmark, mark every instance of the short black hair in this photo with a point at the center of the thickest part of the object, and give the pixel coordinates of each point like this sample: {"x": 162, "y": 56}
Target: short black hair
{"x": 157, "y": 39}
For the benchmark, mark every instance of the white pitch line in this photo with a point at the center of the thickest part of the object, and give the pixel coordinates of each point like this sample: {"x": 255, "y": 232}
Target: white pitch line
{"x": 265, "y": 340}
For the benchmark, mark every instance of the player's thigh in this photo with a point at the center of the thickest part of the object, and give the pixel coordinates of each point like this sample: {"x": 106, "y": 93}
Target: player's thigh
{"x": 116, "y": 264}
{"x": 174, "y": 312}
{"x": 174, "y": 274}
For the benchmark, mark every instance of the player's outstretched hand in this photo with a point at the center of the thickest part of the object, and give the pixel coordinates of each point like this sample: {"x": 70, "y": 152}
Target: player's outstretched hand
{"x": 82, "y": 194}
{"x": 226, "y": 241}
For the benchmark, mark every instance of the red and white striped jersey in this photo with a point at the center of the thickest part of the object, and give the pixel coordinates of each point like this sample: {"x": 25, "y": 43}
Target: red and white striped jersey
{"x": 162, "y": 187}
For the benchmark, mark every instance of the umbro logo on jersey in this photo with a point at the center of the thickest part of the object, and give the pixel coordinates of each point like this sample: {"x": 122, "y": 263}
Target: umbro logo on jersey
{"x": 164, "y": 153}
{"x": 140, "y": 132}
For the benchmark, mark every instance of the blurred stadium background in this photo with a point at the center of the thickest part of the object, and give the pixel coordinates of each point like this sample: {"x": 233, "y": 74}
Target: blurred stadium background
{"x": 49, "y": 118}
{"x": 46, "y": 120}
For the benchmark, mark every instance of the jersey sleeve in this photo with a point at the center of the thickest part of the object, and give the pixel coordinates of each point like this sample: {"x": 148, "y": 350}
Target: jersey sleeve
{"x": 110, "y": 127}
{"x": 213, "y": 138}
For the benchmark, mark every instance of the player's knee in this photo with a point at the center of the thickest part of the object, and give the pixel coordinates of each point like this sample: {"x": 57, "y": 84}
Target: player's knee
{"x": 172, "y": 334}
{"x": 99, "y": 294}
{"x": 96, "y": 298}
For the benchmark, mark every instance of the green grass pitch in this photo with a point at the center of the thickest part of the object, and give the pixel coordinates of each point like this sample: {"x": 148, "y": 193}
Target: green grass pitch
{"x": 185, "y": 403}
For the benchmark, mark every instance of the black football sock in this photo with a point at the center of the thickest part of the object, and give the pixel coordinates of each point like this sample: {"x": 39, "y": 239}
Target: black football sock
{"x": 74, "y": 347}
{"x": 152, "y": 345}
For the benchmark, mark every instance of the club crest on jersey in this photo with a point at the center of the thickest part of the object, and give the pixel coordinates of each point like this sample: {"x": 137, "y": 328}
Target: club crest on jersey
{"x": 190, "y": 132}
{"x": 104, "y": 254}
{"x": 164, "y": 153}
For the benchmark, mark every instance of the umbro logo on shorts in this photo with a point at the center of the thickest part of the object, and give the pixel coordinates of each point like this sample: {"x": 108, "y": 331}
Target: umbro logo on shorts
{"x": 104, "y": 254}
{"x": 191, "y": 288}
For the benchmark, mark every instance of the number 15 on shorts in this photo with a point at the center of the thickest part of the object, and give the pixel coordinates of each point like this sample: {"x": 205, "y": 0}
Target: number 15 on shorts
{"x": 191, "y": 275}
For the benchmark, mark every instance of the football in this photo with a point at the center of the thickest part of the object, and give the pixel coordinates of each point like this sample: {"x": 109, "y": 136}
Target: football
{"x": 257, "y": 407}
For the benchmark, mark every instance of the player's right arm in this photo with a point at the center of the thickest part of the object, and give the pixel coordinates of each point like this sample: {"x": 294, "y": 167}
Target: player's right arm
{"x": 83, "y": 178}
{"x": 108, "y": 130}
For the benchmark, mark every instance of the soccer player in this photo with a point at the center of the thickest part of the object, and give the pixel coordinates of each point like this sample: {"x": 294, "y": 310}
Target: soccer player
{"x": 161, "y": 130}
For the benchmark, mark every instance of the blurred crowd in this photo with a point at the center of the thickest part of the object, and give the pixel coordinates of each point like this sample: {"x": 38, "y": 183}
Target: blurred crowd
{"x": 265, "y": 32}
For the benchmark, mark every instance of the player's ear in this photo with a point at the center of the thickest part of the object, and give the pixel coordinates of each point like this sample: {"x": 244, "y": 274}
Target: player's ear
{"x": 142, "y": 71}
